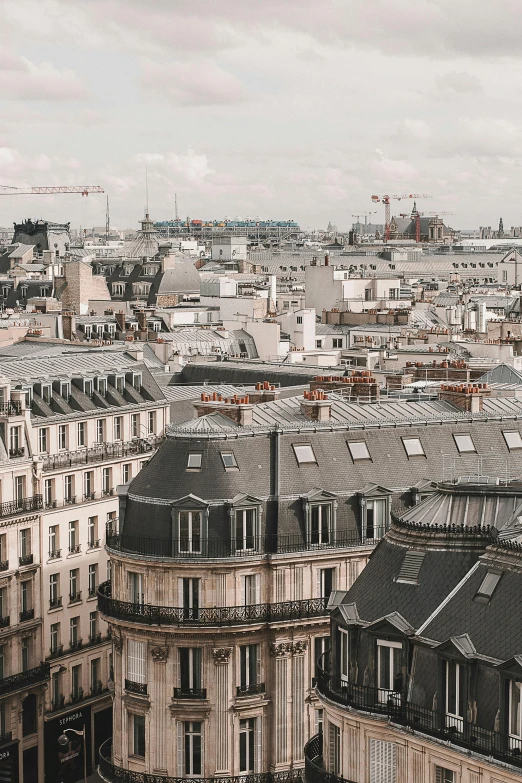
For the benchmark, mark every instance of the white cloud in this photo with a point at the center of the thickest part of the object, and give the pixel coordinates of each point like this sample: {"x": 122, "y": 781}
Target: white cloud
{"x": 21, "y": 79}
{"x": 202, "y": 83}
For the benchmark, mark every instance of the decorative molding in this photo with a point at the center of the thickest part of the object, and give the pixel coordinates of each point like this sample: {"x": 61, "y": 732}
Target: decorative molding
{"x": 281, "y": 650}
{"x": 300, "y": 647}
{"x": 159, "y": 654}
{"x": 117, "y": 642}
{"x": 221, "y": 654}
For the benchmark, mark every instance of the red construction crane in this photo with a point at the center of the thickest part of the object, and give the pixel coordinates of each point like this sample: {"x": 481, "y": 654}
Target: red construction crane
{"x": 386, "y": 201}
{"x": 84, "y": 190}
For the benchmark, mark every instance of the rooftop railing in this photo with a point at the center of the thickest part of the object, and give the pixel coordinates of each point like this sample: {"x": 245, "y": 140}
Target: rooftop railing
{"x": 396, "y": 707}
{"x": 314, "y": 765}
{"x": 208, "y": 616}
{"x": 196, "y": 548}
{"x": 100, "y": 453}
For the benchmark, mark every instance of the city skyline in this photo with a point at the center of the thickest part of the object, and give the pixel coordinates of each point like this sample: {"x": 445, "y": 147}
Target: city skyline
{"x": 298, "y": 113}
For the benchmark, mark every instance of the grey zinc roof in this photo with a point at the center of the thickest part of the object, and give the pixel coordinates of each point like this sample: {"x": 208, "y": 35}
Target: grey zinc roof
{"x": 183, "y": 278}
{"x": 66, "y": 365}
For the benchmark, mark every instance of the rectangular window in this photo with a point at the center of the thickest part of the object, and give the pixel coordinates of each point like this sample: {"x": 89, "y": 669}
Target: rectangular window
{"x": 54, "y": 591}
{"x": 74, "y": 631}
{"x": 515, "y": 714}
{"x": 25, "y": 542}
{"x": 2, "y": 663}
{"x": 326, "y": 582}
{"x": 443, "y": 775}
{"x": 135, "y": 426}
{"x": 413, "y": 447}
{"x": 136, "y": 661}
{"x": 4, "y": 606}
{"x": 383, "y": 761}
{"x": 74, "y": 583}
{"x": 19, "y": 487}
{"x": 190, "y": 531}
{"x": 344, "y": 670}
{"x": 359, "y": 450}
{"x": 337, "y": 342}
{"x": 95, "y": 675}
{"x": 190, "y": 668}
{"x": 194, "y": 461}
{"x": 43, "y": 436}
{"x": 193, "y": 748}
{"x": 118, "y": 427}
{"x": 3, "y": 550}
{"x": 513, "y": 440}
{"x": 229, "y": 459}
{"x": 138, "y": 735}
{"x": 15, "y": 442}
{"x": 100, "y": 430}
{"x": 88, "y": 485}
{"x": 92, "y": 532}
{"x": 304, "y": 453}
{"x": 76, "y": 682}
{"x": 320, "y": 523}
{"x": 464, "y": 444}
{"x": 69, "y": 496}
{"x": 245, "y": 530}
{"x": 93, "y": 579}
{"x": 49, "y": 492}
{"x": 74, "y": 546}
{"x": 93, "y": 626}
{"x": 81, "y": 436}
{"x": 376, "y": 518}
{"x": 126, "y": 472}
{"x": 107, "y": 481}
{"x": 249, "y": 662}
{"x": 388, "y": 669}
{"x": 455, "y": 677}
{"x": 136, "y": 595}
{"x": 25, "y": 596}
{"x": 62, "y": 437}
{"x": 151, "y": 422}
{"x": 55, "y": 638}
{"x": 251, "y": 589}
{"x": 25, "y": 654}
{"x": 190, "y": 598}
{"x": 247, "y": 761}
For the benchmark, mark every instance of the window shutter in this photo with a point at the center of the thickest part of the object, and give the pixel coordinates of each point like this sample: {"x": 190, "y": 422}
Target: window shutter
{"x": 258, "y": 747}
{"x": 258, "y": 588}
{"x": 243, "y": 590}
{"x": 196, "y": 663}
{"x": 181, "y": 731}
{"x": 383, "y": 767}
{"x": 136, "y": 652}
{"x": 180, "y": 592}
{"x": 331, "y": 750}
{"x": 319, "y": 590}
{"x": 258, "y": 663}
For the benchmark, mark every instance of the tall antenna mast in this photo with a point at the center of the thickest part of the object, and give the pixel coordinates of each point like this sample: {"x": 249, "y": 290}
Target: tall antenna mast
{"x": 176, "y": 206}
{"x": 107, "y": 223}
{"x": 146, "y": 191}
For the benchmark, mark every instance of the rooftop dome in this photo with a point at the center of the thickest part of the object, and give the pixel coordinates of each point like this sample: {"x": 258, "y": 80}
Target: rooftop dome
{"x": 146, "y": 242}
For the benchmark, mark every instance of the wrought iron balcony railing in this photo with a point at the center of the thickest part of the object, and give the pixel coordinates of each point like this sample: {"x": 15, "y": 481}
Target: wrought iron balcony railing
{"x": 207, "y": 616}
{"x": 56, "y": 651}
{"x": 55, "y": 603}
{"x": 34, "y": 676}
{"x": 100, "y": 453}
{"x": 77, "y": 644}
{"x": 26, "y": 614}
{"x": 196, "y": 548}
{"x": 5, "y": 622}
{"x": 17, "y": 452}
{"x": 25, "y": 560}
{"x": 75, "y": 598}
{"x": 314, "y": 766}
{"x": 6, "y": 737}
{"x": 136, "y": 687}
{"x": 21, "y": 506}
{"x": 10, "y": 408}
{"x": 54, "y": 554}
{"x": 250, "y": 690}
{"x": 76, "y": 696}
{"x": 190, "y": 693}
{"x": 435, "y": 723}
{"x": 4, "y": 565}
{"x": 58, "y": 703}
{"x": 110, "y": 772}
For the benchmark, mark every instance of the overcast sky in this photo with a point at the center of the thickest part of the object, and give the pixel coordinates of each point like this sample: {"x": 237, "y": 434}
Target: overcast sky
{"x": 274, "y": 108}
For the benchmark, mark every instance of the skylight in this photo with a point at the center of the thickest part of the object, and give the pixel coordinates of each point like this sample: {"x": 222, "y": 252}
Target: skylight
{"x": 464, "y": 443}
{"x": 304, "y": 453}
{"x": 194, "y": 461}
{"x": 229, "y": 460}
{"x": 413, "y": 447}
{"x": 487, "y": 586}
{"x": 513, "y": 439}
{"x": 411, "y": 566}
{"x": 359, "y": 450}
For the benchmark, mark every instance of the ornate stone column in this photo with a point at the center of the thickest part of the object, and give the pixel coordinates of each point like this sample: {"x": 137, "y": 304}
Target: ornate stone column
{"x": 221, "y": 657}
{"x": 159, "y": 708}
{"x": 281, "y": 653}
{"x": 298, "y": 698}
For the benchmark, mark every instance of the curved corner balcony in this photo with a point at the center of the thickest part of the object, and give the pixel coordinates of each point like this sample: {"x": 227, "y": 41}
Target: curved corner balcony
{"x": 110, "y": 773}
{"x": 314, "y": 764}
{"x": 146, "y": 614}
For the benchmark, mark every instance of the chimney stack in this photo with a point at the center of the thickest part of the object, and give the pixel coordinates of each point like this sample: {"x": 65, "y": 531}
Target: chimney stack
{"x": 237, "y": 409}
{"x": 316, "y": 406}
{"x": 467, "y": 397}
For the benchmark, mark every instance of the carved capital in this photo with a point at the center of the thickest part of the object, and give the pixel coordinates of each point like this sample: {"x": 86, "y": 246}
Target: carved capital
{"x": 159, "y": 654}
{"x": 117, "y": 643}
{"x": 221, "y": 654}
{"x": 300, "y": 647}
{"x": 281, "y": 650}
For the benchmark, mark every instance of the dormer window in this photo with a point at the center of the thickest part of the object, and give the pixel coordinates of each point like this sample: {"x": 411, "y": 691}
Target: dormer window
{"x": 320, "y": 523}
{"x": 101, "y": 386}
{"x": 455, "y": 674}
{"x": 136, "y": 380}
{"x": 245, "y": 530}
{"x": 88, "y": 387}
{"x": 46, "y": 392}
{"x": 389, "y": 677}
{"x": 65, "y": 390}
{"x": 87, "y": 331}
{"x": 515, "y": 714}
{"x": 119, "y": 383}
{"x": 189, "y": 531}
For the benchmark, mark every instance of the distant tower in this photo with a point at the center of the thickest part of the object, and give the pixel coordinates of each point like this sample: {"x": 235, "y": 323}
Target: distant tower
{"x": 500, "y": 229}
{"x": 176, "y": 207}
